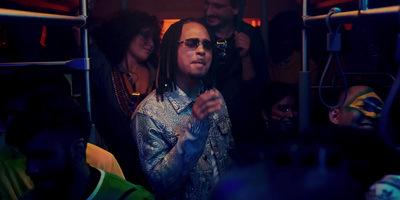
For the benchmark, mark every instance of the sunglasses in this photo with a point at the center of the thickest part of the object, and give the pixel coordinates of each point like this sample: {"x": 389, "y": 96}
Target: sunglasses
{"x": 222, "y": 45}
{"x": 194, "y": 43}
{"x": 146, "y": 34}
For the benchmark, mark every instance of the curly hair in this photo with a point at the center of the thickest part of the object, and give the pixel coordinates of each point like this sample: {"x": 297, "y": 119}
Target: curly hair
{"x": 114, "y": 36}
{"x": 168, "y": 62}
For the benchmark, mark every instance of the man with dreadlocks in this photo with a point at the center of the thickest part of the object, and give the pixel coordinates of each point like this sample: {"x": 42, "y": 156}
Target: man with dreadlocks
{"x": 182, "y": 128}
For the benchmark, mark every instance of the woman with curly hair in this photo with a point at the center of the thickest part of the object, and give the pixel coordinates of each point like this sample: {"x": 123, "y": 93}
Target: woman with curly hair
{"x": 123, "y": 70}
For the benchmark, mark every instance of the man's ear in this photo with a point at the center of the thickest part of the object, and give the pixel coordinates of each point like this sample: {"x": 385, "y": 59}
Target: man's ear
{"x": 264, "y": 114}
{"x": 334, "y": 115}
{"x": 78, "y": 150}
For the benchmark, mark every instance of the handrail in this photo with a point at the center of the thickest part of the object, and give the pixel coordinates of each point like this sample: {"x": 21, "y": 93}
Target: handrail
{"x": 18, "y": 16}
{"x": 364, "y": 73}
{"x": 77, "y": 64}
{"x": 8, "y": 16}
{"x": 385, "y": 13}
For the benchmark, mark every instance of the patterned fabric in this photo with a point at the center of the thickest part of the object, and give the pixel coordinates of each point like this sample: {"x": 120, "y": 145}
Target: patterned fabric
{"x": 175, "y": 149}
{"x": 388, "y": 188}
{"x": 122, "y": 92}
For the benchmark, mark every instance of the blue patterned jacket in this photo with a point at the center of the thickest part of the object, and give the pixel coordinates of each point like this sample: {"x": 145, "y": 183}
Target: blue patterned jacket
{"x": 176, "y": 150}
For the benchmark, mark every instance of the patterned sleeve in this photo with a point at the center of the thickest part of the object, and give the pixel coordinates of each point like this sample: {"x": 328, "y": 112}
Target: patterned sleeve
{"x": 165, "y": 166}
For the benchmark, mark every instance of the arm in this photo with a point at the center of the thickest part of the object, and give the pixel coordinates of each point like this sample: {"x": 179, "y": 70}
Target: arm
{"x": 254, "y": 63}
{"x": 242, "y": 42}
{"x": 167, "y": 166}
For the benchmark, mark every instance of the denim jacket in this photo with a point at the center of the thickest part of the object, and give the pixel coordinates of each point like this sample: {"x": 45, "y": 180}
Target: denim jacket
{"x": 176, "y": 150}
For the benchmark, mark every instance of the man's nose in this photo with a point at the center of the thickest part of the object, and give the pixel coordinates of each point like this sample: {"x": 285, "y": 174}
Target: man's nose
{"x": 200, "y": 49}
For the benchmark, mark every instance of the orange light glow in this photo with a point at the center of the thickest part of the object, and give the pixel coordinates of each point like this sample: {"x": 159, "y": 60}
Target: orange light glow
{"x": 168, "y": 22}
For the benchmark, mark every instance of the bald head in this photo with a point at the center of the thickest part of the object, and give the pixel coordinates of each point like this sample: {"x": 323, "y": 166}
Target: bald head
{"x": 352, "y": 91}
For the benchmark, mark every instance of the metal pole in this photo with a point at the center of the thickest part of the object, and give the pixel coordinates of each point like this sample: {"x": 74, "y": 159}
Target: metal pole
{"x": 77, "y": 64}
{"x": 363, "y": 5}
{"x": 304, "y": 83}
{"x": 387, "y": 14}
{"x": 264, "y": 24}
{"x": 85, "y": 46}
{"x": 17, "y": 16}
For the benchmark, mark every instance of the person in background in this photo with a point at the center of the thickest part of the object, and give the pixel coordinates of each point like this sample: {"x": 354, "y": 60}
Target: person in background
{"x": 123, "y": 70}
{"x": 277, "y": 117}
{"x": 182, "y": 129}
{"x": 361, "y": 109}
{"x": 52, "y": 133}
{"x": 279, "y": 109}
{"x": 241, "y": 70}
{"x": 330, "y": 164}
{"x": 18, "y": 88}
{"x": 285, "y": 49}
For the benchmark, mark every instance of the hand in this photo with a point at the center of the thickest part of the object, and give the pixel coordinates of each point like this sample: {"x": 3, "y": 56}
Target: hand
{"x": 242, "y": 43}
{"x": 207, "y": 103}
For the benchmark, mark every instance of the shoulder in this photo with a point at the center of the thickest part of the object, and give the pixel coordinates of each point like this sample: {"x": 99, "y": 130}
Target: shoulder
{"x": 250, "y": 30}
{"x": 98, "y": 60}
{"x": 148, "y": 103}
{"x": 96, "y": 155}
{"x": 152, "y": 107}
{"x": 114, "y": 186}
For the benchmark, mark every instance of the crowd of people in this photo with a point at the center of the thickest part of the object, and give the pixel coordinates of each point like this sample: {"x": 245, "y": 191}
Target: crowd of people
{"x": 201, "y": 113}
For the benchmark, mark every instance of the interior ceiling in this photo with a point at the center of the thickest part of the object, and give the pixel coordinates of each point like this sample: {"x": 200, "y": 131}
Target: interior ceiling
{"x": 173, "y": 9}
{"x": 169, "y": 9}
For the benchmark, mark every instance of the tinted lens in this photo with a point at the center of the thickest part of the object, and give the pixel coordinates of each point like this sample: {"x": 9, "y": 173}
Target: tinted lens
{"x": 192, "y": 42}
{"x": 207, "y": 44}
{"x": 145, "y": 34}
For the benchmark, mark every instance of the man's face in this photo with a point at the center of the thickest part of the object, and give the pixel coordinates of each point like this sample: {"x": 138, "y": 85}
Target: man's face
{"x": 194, "y": 61}
{"x": 362, "y": 109}
{"x": 219, "y": 12}
{"x": 48, "y": 165}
